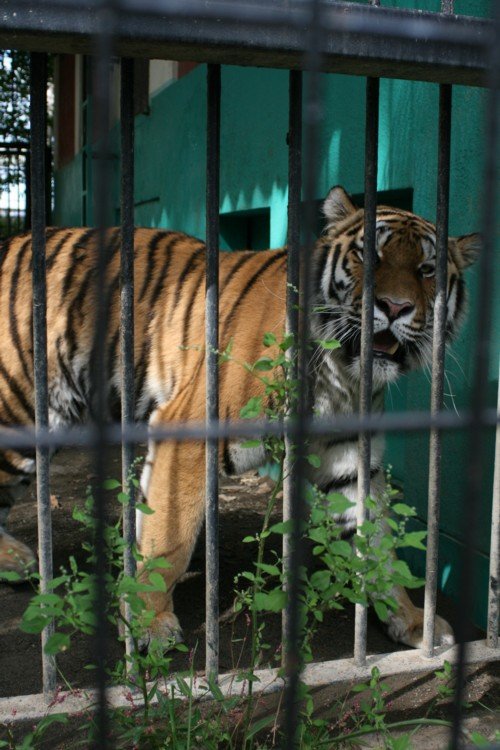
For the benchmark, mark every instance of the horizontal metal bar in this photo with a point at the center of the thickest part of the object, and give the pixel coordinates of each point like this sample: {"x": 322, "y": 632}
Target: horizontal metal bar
{"x": 336, "y": 672}
{"x": 359, "y": 40}
{"x": 82, "y": 436}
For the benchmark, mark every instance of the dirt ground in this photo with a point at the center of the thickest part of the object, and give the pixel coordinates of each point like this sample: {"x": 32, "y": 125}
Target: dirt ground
{"x": 242, "y": 504}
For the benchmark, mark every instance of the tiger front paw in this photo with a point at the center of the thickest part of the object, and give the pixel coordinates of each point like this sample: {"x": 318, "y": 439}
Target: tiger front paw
{"x": 163, "y": 633}
{"x": 15, "y": 557}
{"x": 408, "y": 628}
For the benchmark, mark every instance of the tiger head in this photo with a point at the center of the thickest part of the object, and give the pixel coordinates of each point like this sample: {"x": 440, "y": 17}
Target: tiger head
{"x": 404, "y": 286}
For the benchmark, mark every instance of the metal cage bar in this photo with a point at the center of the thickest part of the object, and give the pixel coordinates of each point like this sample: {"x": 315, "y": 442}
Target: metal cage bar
{"x": 366, "y": 354}
{"x": 438, "y": 362}
{"x": 294, "y": 140}
{"x": 99, "y": 365}
{"x": 38, "y": 127}
{"x": 494, "y": 577}
{"x": 302, "y": 272}
{"x": 475, "y": 454}
{"x": 127, "y": 312}
{"x": 212, "y": 371}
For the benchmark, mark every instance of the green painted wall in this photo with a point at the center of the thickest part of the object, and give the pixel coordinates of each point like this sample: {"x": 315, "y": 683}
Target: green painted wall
{"x": 170, "y": 191}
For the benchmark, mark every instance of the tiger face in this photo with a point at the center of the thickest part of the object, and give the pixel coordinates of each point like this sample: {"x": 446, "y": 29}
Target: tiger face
{"x": 404, "y": 286}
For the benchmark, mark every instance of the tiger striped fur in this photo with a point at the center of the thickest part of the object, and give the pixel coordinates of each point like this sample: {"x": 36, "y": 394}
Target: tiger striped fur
{"x": 169, "y": 358}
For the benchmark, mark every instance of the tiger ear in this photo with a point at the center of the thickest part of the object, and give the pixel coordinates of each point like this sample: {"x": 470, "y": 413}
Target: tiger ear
{"x": 337, "y": 206}
{"x": 466, "y": 249}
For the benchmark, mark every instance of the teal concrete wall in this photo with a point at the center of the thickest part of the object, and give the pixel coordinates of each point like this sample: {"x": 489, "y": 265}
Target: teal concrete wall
{"x": 170, "y": 191}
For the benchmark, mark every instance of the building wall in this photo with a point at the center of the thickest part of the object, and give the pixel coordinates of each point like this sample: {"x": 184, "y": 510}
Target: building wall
{"x": 170, "y": 192}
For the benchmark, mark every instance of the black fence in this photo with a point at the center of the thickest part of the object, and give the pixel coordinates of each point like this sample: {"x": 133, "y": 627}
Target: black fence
{"x": 301, "y": 36}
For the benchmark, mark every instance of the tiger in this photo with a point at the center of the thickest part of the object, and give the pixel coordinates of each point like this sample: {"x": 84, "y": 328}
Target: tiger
{"x": 169, "y": 362}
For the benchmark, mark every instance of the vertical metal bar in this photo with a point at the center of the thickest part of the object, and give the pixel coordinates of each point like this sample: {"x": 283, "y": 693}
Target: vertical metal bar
{"x": 438, "y": 362}
{"x": 99, "y": 362}
{"x": 474, "y": 474}
{"x": 493, "y": 588}
{"x": 447, "y": 6}
{"x": 366, "y": 356}
{"x": 127, "y": 311}
{"x": 294, "y": 140}
{"x": 212, "y": 372}
{"x": 313, "y": 113}
{"x": 38, "y": 125}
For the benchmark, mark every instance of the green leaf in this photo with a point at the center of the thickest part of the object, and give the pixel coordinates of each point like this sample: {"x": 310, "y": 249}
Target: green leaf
{"x": 33, "y": 624}
{"x": 111, "y": 484}
{"x": 10, "y": 575}
{"x": 340, "y": 548}
{"x": 338, "y": 503}
{"x": 381, "y": 610}
{"x": 248, "y": 539}
{"x": 157, "y": 580}
{"x": 314, "y": 460}
{"x": 328, "y": 343}
{"x": 273, "y": 570}
{"x": 269, "y": 339}
{"x": 321, "y": 579}
{"x": 51, "y": 719}
{"x": 401, "y": 509}
{"x": 263, "y": 364}
{"x": 144, "y": 509}
{"x": 283, "y": 527}
{"x": 251, "y": 444}
{"x": 252, "y": 408}
{"x": 414, "y": 539}
{"x": 259, "y": 725}
{"x": 272, "y": 602}
{"x": 56, "y": 643}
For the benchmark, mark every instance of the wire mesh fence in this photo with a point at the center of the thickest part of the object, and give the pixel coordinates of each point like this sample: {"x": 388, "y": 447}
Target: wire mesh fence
{"x": 303, "y": 36}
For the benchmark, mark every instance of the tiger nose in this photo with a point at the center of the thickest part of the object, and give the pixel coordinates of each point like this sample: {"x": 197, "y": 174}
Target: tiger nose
{"x": 394, "y": 308}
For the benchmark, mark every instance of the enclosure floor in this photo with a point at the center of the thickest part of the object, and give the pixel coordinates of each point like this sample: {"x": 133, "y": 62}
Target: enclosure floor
{"x": 242, "y": 504}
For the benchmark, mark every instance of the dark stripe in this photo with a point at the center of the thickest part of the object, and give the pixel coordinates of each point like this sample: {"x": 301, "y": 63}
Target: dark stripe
{"x": 247, "y": 288}
{"x": 227, "y": 462}
{"x": 80, "y": 244}
{"x": 51, "y": 259}
{"x": 336, "y": 484}
{"x": 64, "y": 367}
{"x": 14, "y": 330}
{"x": 236, "y": 267}
{"x": 76, "y": 308}
{"x": 13, "y": 417}
{"x": 13, "y": 385}
{"x": 176, "y": 240}
{"x": 189, "y": 266}
{"x": 142, "y": 368}
{"x": 112, "y": 347}
{"x": 189, "y": 307}
{"x": 321, "y": 261}
{"x": 148, "y": 276}
{"x": 9, "y": 468}
{"x": 351, "y": 437}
